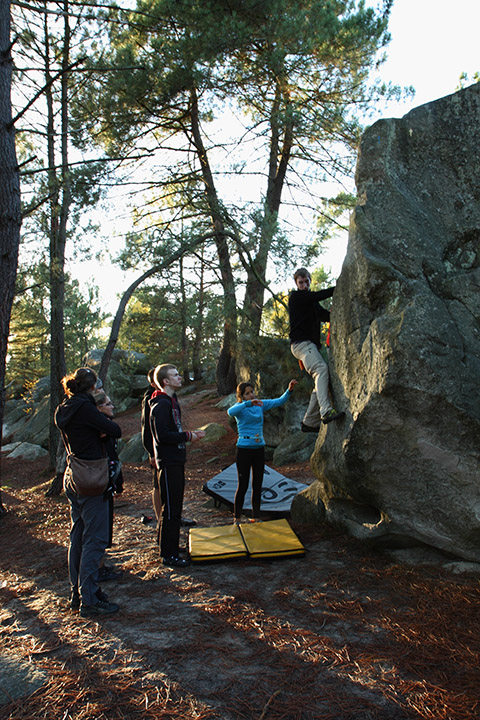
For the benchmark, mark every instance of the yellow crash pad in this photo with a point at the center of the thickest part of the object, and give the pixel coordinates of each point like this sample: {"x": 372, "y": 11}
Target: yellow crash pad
{"x": 216, "y": 543}
{"x": 274, "y": 538}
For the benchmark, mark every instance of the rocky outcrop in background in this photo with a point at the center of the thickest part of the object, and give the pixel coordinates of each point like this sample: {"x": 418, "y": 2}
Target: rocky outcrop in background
{"x": 26, "y": 420}
{"x": 26, "y": 426}
{"x": 404, "y": 465}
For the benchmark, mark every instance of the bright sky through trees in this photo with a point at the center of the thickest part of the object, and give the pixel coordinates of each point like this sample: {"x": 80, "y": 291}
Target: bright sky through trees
{"x": 433, "y": 42}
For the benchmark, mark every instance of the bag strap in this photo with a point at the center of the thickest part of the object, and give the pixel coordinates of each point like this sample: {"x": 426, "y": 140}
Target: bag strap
{"x": 66, "y": 443}
{"x": 69, "y": 449}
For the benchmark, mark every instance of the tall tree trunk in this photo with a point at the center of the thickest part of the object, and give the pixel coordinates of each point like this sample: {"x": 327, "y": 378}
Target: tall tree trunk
{"x": 278, "y": 164}
{"x": 10, "y": 210}
{"x": 198, "y": 338}
{"x": 226, "y": 375}
{"x": 59, "y": 210}
{"x": 183, "y": 320}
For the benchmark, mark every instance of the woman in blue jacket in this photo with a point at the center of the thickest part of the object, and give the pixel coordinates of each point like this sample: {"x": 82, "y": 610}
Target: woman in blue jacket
{"x": 250, "y": 457}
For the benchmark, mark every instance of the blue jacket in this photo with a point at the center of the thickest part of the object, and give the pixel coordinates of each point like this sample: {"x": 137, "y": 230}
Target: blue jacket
{"x": 250, "y": 420}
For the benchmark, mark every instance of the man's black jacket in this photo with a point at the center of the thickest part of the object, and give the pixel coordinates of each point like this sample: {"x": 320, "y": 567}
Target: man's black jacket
{"x": 306, "y": 314}
{"x": 166, "y": 425}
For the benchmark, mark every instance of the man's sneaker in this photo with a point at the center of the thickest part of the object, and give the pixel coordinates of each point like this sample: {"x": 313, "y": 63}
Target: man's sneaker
{"x": 187, "y": 522}
{"x": 107, "y": 573}
{"x": 74, "y": 600}
{"x": 176, "y": 561}
{"x": 101, "y": 607}
{"x": 308, "y": 428}
{"x": 332, "y": 414}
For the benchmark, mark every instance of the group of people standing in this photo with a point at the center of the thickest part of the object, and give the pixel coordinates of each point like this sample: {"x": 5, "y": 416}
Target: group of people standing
{"x": 85, "y": 419}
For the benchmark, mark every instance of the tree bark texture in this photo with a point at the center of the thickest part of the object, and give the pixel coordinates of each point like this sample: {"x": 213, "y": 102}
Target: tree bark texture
{"x": 59, "y": 212}
{"x": 226, "y": 376}
{"x": 10, "y": 210}
{"x": 281, "y": 143}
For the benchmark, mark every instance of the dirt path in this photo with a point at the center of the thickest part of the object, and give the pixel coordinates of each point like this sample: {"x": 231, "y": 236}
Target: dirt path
{"x": 341, "y": 634}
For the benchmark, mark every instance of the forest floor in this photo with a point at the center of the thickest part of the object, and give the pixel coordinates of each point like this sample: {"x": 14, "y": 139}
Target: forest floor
{"x": 343, "y": 633}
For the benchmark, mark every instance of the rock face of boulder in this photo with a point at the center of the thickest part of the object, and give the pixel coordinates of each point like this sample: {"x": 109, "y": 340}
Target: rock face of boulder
{"x": 126, "y": 378}
{"x": 405, "y": 363}
{"x": 133, "y": 450}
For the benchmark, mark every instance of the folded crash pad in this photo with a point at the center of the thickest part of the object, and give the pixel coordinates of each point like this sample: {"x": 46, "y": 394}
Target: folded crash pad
{"x": 278, "y": 491}
{"x": 223, "y": 542}
{"x": 274, "y": 538}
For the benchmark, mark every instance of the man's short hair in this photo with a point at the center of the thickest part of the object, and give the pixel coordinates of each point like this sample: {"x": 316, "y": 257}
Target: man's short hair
{"x": 161, "y": 374}
{"x": 301, "y": 272}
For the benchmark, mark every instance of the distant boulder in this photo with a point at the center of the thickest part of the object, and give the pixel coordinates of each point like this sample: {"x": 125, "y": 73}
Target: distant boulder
{"x": 133, "y": 451}
{"x": 16, "y": 414}
{"x": 27, "y": 451}
{"x": 36, "y": 429}
{"x": 213, "y": 431}
{"x": 134, "y": 363}
{"x": 295, "y": 448}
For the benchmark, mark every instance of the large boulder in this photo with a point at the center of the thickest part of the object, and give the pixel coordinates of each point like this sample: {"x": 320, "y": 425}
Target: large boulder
{"x": 15, "y": 416}
{"x": 213, "y": 432}
{"x": 36, "y": 429}
{"x": 296, "y": 448}
{"x": 405, "y": 363}
{"x": 133, "y": 451}
{"x": 126, "y": 378}
{"x": 27, "y": 451}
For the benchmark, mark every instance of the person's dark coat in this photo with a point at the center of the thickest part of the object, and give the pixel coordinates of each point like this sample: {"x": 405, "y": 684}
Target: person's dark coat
{"x": 166, "y": 425}
{"x": 82, "y": 423}
{"x": 147, "y": 438}
{"x": 306, "y": 314}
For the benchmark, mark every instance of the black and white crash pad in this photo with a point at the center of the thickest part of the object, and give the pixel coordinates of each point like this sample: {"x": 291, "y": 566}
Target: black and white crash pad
{"x": 273, "y": 538}
{"x": 278, "y": 491}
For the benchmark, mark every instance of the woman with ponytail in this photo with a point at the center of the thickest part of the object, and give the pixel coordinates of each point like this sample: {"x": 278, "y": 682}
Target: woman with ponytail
{"x": 83, "y": 426}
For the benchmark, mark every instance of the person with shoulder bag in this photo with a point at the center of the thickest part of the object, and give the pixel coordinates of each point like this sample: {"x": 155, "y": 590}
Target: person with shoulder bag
{"x": 83, "y": 429}
{"x": 115, "y": 482}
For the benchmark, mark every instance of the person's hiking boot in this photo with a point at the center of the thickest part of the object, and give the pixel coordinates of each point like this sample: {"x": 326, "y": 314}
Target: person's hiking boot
{"x": 107, "y": 573}
{"x": 308, "y": 428}
{"x": 332, "y": 414}
{"x": 101, "y": 607}
{"x": 74, "y": 599}
{"x": 176, "y": 561}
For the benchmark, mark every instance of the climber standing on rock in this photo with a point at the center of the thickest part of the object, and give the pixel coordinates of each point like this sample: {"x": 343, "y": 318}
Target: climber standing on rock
{"x": 305, "y": 315}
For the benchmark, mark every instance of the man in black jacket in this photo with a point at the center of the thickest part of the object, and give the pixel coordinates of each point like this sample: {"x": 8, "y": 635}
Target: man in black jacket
{"x": 147, "y": 442}
{"x": 170, "y": 454}
{"x": 306, "y": 314}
